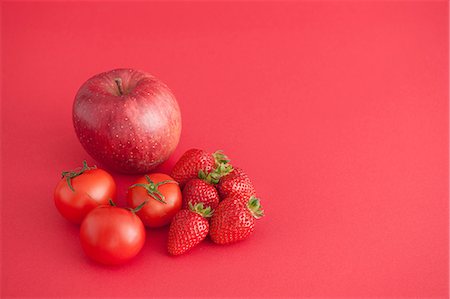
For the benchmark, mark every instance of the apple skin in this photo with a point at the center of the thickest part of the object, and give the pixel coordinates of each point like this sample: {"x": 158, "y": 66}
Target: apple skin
{"x": 131, "y": 128}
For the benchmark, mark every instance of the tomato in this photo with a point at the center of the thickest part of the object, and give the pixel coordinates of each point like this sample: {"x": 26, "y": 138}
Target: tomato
{"x": 112, "y": 235}
{"x": 80, "y": 191}
{"x": 162, "y": 197}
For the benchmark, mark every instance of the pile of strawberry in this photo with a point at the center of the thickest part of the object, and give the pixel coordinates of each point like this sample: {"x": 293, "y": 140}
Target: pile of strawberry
{"x": 218, "y": 199}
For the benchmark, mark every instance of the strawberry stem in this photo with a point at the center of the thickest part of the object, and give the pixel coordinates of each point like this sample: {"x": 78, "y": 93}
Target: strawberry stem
{"x": 69, "y": 175}
{"x": 222, "y": 168}
{"x": 212, "y": 177}
{"x": 255, "y": 207}
{"x": 201, "y": 210}
{"x": 220, "y": 157}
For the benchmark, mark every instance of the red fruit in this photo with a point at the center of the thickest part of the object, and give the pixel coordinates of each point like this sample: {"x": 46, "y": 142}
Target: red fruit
{"x": 239, "y": 172}
{"x": 161, "y": 196}
{"x": 196, "y": 191}
{"x": 244, "y": 197}
{"x": 127, "y": 119}
{"x": 195, "y": 160}
{"x": 190, "y": 163}
{"x": 81, "y": 190}
{"x": 188, "y": 228}
{"x": 236, "y": 184}
{"x": 112, "y": 235}
{"x": 234, "y": 220}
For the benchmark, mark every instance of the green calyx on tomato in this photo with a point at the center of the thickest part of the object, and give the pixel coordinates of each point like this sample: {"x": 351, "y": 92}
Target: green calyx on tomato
{"x": 152, "y": 189}
{"x": 69, "y": 175}
{"x": 134, "y": 211}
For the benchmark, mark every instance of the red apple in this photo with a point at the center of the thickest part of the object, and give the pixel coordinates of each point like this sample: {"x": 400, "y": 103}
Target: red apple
{"x": 127, "y": 120}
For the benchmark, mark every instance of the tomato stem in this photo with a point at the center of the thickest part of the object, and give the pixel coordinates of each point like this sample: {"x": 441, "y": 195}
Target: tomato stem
{"x": 69, "y": 175}
{"x": 152, "y": 189}
{"x": 139, "y": 207}
{"x": 134, "y": 211}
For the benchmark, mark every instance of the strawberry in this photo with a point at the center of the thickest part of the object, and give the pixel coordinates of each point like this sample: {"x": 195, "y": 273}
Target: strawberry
{"x": 234, "y": 220}
{"x": 195, "y": 160}
{"x": 188, "y": 228}
{"x": 198, "y": 190}
{"x": 236, "y": 184}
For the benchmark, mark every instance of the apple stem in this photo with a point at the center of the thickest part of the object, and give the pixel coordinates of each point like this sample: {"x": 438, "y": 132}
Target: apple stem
{"x": 119, "y": 85}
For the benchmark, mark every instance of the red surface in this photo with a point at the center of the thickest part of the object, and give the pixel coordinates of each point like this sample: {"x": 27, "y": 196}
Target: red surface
{"x": 338, "y": 111}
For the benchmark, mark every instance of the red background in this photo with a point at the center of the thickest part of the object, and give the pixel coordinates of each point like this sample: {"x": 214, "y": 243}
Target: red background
{"x": 338, "y": 111}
